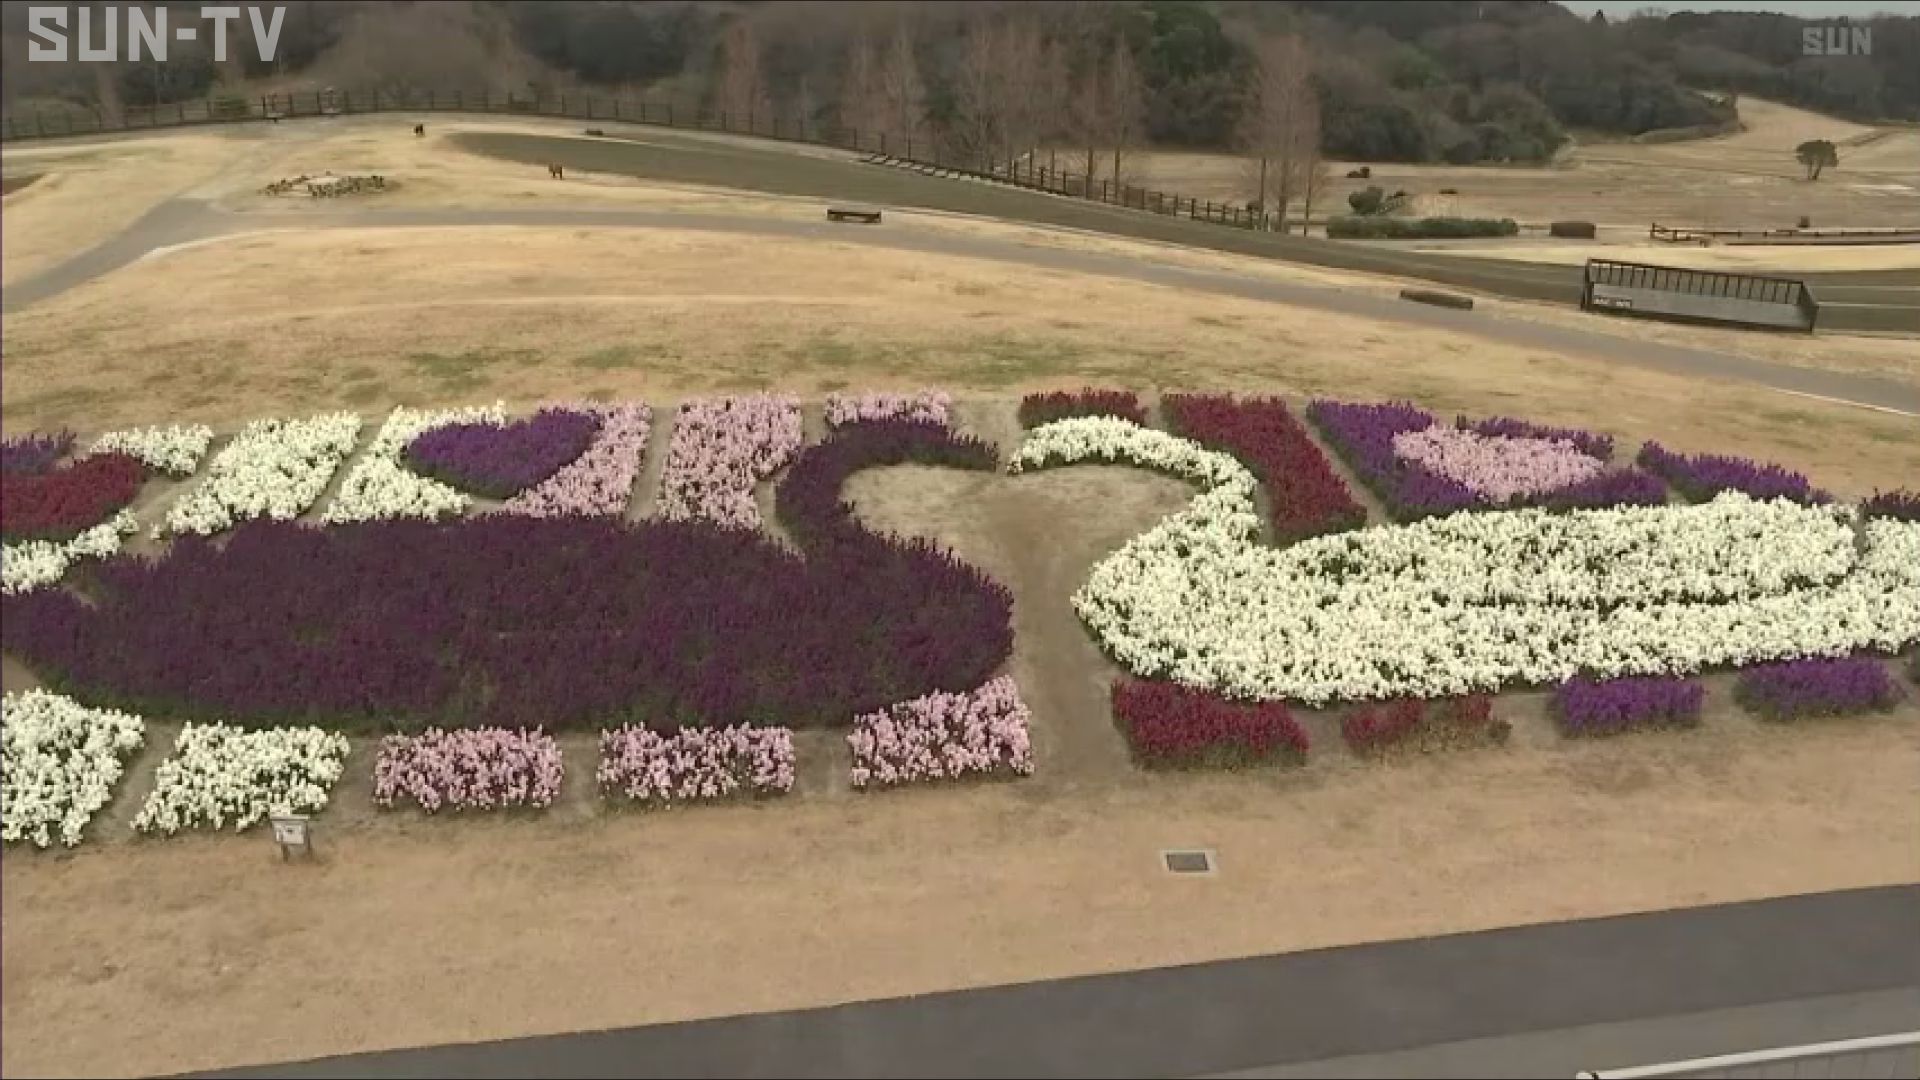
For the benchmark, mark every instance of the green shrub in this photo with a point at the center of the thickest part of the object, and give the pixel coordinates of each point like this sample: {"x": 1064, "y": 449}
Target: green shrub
{"x": 1433, "y": 228}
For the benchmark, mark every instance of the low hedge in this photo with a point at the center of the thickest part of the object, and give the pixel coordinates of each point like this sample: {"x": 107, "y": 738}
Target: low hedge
{"x": 1433, "y": 228}
{"x": 1572, "y": 230}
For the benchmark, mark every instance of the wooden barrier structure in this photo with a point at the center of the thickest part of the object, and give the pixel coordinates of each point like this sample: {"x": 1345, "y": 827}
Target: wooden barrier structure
{"x": 1667, "y": 292}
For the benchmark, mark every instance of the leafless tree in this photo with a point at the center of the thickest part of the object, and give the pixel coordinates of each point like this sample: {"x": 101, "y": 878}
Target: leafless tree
{"x": 978, "y": 127}
{"x": 1124, "y": 105}
{"x": 1315, "y": 178}
{"x": 1280, "y": 127}
{"x": 1086, "y": 114}
{"x": 862, "y": 100}
{"x": 742, "y": 93}
{"x": 900, "y": 87}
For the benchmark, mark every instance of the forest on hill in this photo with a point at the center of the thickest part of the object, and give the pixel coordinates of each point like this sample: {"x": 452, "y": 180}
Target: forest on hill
{"x": 1394, "y": 80}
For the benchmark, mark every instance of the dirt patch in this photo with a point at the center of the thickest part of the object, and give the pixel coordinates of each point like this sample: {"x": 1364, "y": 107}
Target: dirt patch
{"x": 11, "y": 184}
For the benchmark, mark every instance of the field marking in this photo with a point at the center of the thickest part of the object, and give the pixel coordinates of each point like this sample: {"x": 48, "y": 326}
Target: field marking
{"x": 1845, "y": 401}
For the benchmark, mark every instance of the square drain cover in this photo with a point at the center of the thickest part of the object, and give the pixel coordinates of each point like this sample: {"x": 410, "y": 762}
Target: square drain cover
{"x": 1188, "y": 861}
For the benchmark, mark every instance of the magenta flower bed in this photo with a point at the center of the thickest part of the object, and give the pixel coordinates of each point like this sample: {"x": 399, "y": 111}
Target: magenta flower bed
{"x": 1586, "y": 706}
{"x": 943, "y": 737}
{"x": 1383, "y": 726}
{"x": 1901, "y": 504}
{"x": 1797, "y": 689}
{"x": 1037, "y": 409}
{"x": 1363, "y": 436}
{"x": 694, "y": 764}
{"x": 473, "y": 769}
{"x": 600, "y": 481}
{"x": 927, "y": 406}
{"x": 1499, "y": 469}
{"x": 721, "y": 448}
{"x": 1169, "y": 724}
{"x": 64, "y": 502}
{"x": 1702, "y": 476}
{"x": 31, "y": 455}
{"x": 499, "y": 461}
{"x": 1309, "y": 498}
{"x": 1592, "y": 444}
{"x": 510, "y": 621}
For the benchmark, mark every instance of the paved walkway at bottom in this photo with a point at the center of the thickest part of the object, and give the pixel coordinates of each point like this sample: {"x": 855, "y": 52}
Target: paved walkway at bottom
{"x": 1253, "y": 1016}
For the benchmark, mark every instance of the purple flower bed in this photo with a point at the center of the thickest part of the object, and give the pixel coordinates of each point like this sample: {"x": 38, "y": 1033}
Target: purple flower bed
{"x": 1037, "y": 409}
{"x": 1363, "y": 436}
{"x": 694, "y": 764}
{"x": 1586, "y": 706}
{"x": 511, "y": 621}
{"x": 1901, "y": 504}
{"x": 1702, "y": 476}
{"x": 501, "y": 461}
{"x": 808, "y": 501}
{"x": 927, "y": 406}
{"x": 721, "y": 448}
{"x": 1587, "y": 442}
{"x": 474, "y": 769}
{"x": 1615, "y": 487}
{"x": 1797, "y": 689}
{"x": 31, "y": 455}
{"x": 943, "y": 736}
{"x": 601, "y": 480}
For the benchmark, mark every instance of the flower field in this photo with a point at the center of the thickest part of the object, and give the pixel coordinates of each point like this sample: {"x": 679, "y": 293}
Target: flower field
{"x": 462, "y": 640}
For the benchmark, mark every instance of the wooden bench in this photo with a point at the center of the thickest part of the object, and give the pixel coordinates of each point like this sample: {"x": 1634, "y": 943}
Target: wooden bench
{"x": 853, "y": 213}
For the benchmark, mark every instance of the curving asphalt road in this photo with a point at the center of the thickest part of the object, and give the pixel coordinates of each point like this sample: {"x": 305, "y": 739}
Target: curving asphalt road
{"x": 185, "y": 220}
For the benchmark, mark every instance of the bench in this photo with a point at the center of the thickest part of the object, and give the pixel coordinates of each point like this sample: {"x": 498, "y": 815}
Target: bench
{"x": 862, "y": 215}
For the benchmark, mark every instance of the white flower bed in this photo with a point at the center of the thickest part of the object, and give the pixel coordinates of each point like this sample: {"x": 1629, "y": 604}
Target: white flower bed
{"x": 927, "y": 406}
{"x": 219, "y": 775}
{"x": 721, "y": 448}
{"x": 61, "y": 761}
{"x": 1476, "y": 602}
{"x": 943, "y": 736}
{"x": 381, "y": 486}
{"x": 35, "y": 563}
{"x": 694, "y": 764}
{"x": 273, "y": 468}
{"x": 175, "y": 449}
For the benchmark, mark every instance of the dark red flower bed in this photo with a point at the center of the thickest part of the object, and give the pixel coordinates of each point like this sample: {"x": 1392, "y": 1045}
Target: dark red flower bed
{"x": 1037, "y": 409}
{"x": 1309, "y": 498}
{"x": 1412, "y": 722}
{"x": 521, "y": 622}
{"x": 1170, "y": 724}
{"x": 61, "y": 504}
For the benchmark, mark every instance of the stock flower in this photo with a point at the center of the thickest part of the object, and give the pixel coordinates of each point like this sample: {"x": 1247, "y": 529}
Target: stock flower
{"x": 471, "y": 769}
{"x": 273, "y": 469}
{"x": 721, "y": 448}
{"x": 943, "y": 736}
{"x": 382, "y": 487}
{"x": 926, "y": 406}
{"x": 61, "y": 761}
{"x": 219, "y": 775}
{"x": 600, "y": 481}
{"x": 175, "y": 449}
{"x": 695, "y": 764}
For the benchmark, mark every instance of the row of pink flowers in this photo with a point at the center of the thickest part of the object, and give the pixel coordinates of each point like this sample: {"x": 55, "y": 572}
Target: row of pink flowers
{"x": 644, "y": 766}
{"x": 927, "y": 406}
{"x": 1498, "y": 468}
{"x": 468, "y": 769}
{"x": 600, "y": 481}
{"x": 944, "y": 736}
{"x": 721, "y": 448}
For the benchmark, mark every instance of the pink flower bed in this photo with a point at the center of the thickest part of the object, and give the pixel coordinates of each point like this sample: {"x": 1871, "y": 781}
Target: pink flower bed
{"x": 644, "y": 766}
{"x": 600, "y": 481}
{"x": 927, "y": 406}
{"x": 943, "y": 736}
{"x": 1497, "y": 467}
{"x": 468, "y": 769}
{"x": 721, "y": 448}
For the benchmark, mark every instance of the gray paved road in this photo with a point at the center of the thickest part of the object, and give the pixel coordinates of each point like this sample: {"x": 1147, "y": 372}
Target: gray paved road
{"x": 184, "y": 220}
{"x": 1603, "y": 984}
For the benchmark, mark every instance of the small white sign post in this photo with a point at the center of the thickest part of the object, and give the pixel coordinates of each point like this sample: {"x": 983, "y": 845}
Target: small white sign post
{"x": 291, "y": 832}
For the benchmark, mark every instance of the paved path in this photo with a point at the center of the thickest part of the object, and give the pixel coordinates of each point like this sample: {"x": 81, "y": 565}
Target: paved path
{"x": 180, "y": 221}
{"x": 1560, "y": 997}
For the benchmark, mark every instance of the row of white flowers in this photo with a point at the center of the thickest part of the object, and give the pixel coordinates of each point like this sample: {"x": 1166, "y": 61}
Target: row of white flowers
{"x": 1440, "y": 608}
{"x": 219, "y": 775}
{"x": 35, "y": 563}
{"x": 59, "y": 764}
{"x": 273, "y": 468}
{"x": 175, "y": 449}
{"x": 381, "y": 485}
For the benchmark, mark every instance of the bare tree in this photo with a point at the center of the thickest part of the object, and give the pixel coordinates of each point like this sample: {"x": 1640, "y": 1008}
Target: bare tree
{"x": 978, "y": 126}
{"x": 1315, "y": 178}
{"x": 1022, "y": 65}
{"x": 1124, "y": 105}
{"x": 862, "y": 101}
{"x": 742, "y": 92}
{"x": 1086, "y": 114}
{"x": 1280, "y": 126}
{"x": 901, "y": 90}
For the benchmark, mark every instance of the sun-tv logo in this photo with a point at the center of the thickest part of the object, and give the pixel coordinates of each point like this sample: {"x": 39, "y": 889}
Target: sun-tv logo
{"x": 97, "y": 31}
{"x": 1836, "y": 39}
